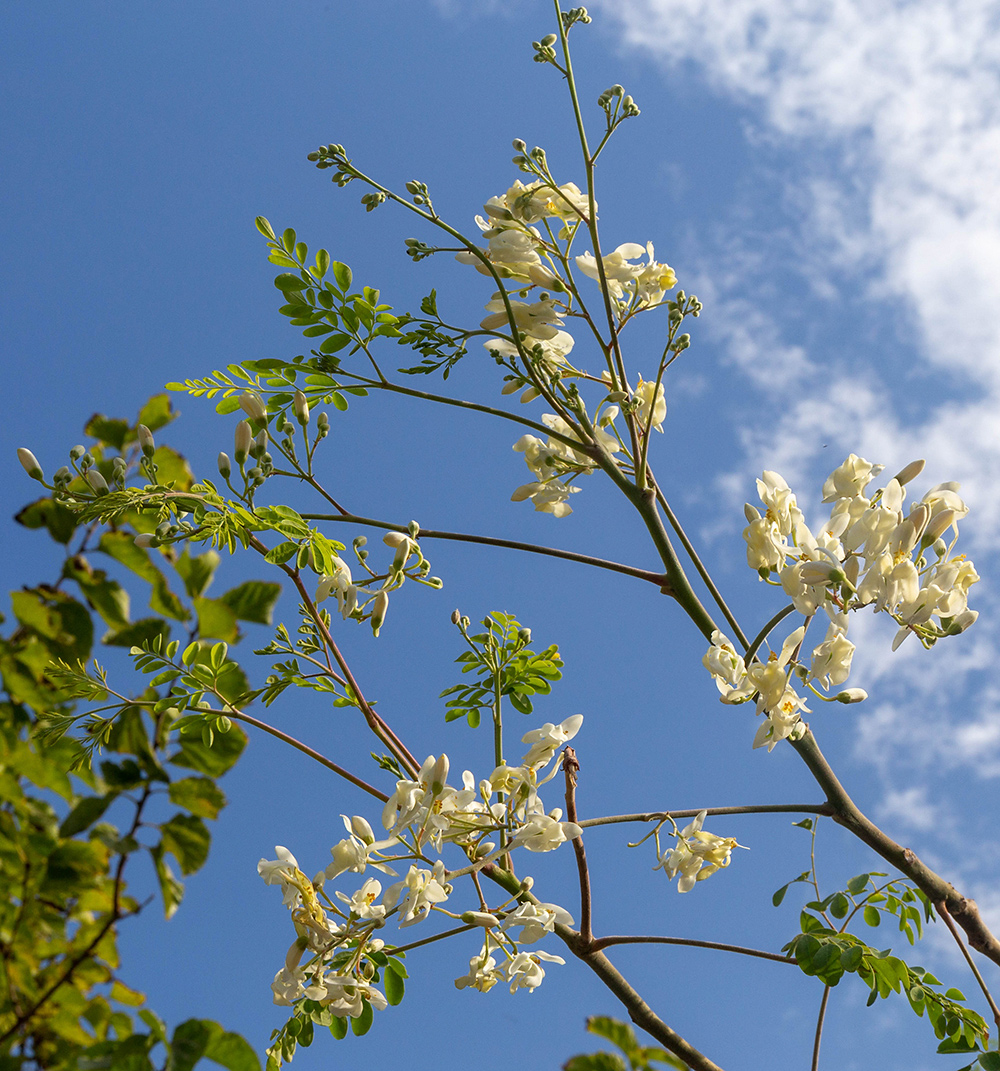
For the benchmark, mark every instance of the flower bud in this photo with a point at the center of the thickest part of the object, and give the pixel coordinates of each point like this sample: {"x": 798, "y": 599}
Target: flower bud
{"x": 751, "y": 513}
{"x": 30, "y": 464}
{"x": 548, "y": 40}
{"x": 852, "y": 567}
{"x": 439, "y": 775}
{"x": 362, "y": 830}
{"x": 294, "y": 955}
{"x": 97, "y": 482}
{"x": 301, "y": 406}
{"x": 910, "y": 472}
{"x": 145, "y": 437}
{"x": 541, "y": 276}
{"x": 380, "y": 606}
{"x": 243, "y": 439}
{"x": 962, "y": 621}
{"x": 609, "y": 416}
{"x": 395, "y": 539}
{"x": 518, "y": 145}
{"x": 480, "y": 918}
{"x": 77, "y": 452}
{"x": 511, "y": 385}
{"x": 146, "y": 539}
{"x": 851, "y": 695}
{"x": 938, "y": 526}
{"x": 456, "y": 616}
{"x": 225, "y": 467}
{"x": 484, "y": 848}
{"x": 524, "y": 634}
{"x": 259, "y": 447}
{"x": 254, "y": 408}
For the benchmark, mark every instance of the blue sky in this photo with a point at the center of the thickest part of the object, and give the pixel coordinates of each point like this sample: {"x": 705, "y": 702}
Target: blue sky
{"x": 822, "y": 176}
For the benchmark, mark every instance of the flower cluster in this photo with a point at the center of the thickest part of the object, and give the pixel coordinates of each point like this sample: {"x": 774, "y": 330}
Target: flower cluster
{"x": 422, "y": 814}
{"x": 633, "y": 285}
{"x": 696, "y": 855}
{"x": 867, "y": 554}
{"x": 372, "y": 594}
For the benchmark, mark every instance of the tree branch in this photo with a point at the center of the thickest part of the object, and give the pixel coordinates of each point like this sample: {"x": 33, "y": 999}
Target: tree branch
{"x": 660, "y": 816}
{"x": 571, "y": 767}
{"x": 604, "y": 942}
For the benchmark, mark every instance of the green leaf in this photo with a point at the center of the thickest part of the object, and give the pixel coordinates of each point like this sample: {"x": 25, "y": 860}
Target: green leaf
{"x": 289, "y": 282}
{"x": 139, "y": 634}
{"x": 363, "y": 1023}
{"x": 197, "y": 570}
{"x": 215, "y": 760}
{"x": 872, "y": 915}
{"x": 281, "y": 553}
{"x": 44, "y": 513}
{"x": 990, "y": 1061}
{"x": 85, "y": 814}
{"x": 335, "y": 343}
{"x": 158, "y": 412}
{"x": 857, "y": 885}
{"x": 597, "y": 1061}
{"x": 839, "y": 906}
{"x": 202, "y": 1038}
{"x": 107, "y": 597}
{"x": 850, "y": 958}
{"x": 216, "y": 620}
{"x": 394, "y": 987}
{"x": 253, "y": 600}
{"x": 342, "y": 273}
{"x": 162, "y": 600}
{"x": 170, "y": 888}
{"x": 199, "y": 795}
{"x": 187, "y": 838}
{"x": 110, "y": 431}
{"x": 339, "y": 1028}
{"x": 618, "y": 1033}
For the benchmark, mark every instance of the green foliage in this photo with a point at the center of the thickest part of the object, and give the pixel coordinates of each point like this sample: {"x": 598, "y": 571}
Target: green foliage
{"x": 634, "y": 1057}
{"x": 827, "y": 952}
{"x": 501, "y": 659}
{"x": 69, "y": 828}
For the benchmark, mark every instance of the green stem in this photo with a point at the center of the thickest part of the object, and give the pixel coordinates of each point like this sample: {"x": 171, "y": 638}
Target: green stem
{"x": 661, "y": 816}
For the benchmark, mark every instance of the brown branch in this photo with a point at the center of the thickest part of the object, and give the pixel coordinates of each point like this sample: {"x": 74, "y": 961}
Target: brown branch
{"x": 571, "y": 767}
{"x": 659, "y": 579}
{"x": 604, "y": 942}
{"x": 944, "y": 913}
{"x": 846, "y": 813}
{"x": 819, "y": 1027}
{"x": 661, "y": 816}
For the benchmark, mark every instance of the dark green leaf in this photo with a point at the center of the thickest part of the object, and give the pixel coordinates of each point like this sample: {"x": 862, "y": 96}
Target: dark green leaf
{"x": 990, "y": 1061}
{"x": 139, "y": 634}
{"x": 44, "y": 513}
{"x": 857, "y": 885}
{"x": 839, "y": 906}
{"x": 339, "y": 1028}
{"x": 596, "y": 1061}
{"x": 85, "y": 814}
{"x": 199, "y": 795}
{"x": 253, "y": 600}
{"x": 394, "y": 987}
{"x": 110, "y": 431}
{"x": 214, "y": 760}
{"x": 187, "y": 838}
{"x": 334, "y": 344}
{"x": 216, "y": 620}
{"x": 363, "y": 1023}
{"x": 289, "y": 282}
{"x": 196, "y": 570}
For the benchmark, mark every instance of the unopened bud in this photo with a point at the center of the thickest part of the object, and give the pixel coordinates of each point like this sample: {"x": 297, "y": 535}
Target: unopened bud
{"x": 938, "y": 526}
{"x": 541, "y": 276}
{"x": 294, "y": 955}
{"x": 362, "y": 830}
{"x": 751, "y": 513}
{"x": 252, "y": 405}
{"x": 301, "y": 406}
{"x": 225, "y": 467}
{"x": 456, "y": 616}
{"x": 30, "y": 463}
{"x": 524, "y": 634}
{"x": 439, "y": 775}
{"x": 380, "y": 606}
{"x": 548, "y": 40}
{"x": 480, "y": 918}
{"x": 518, "y": 145}
{"x": 851, "y": 695}
{"x": 146, "y": 539}
{"x": 145, "y": 437}
{"x": 511, "y": 385}
{"x": 259, "y": 447}
{"x": 910, "y": 472}
{"x": 97, "y": 482}
{"x": 852, "y": 567}
{"x": 243, "y": 439}
{"x": 962, "y": 621}
{"x": 484, "y": 848}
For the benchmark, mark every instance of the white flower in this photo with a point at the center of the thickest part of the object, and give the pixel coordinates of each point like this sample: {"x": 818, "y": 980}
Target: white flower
{"x": 417, "y": 893}
{"x": 727, "y": 669}
{"x": 482, "y": 975}
{"x": 547, "y": 740}
{"x": 535, "y": 921}
{"x": 697, "y": 855}
{"x": 644, "y": 392}
{"x": 344, "y": 996}
{"x": 362, "y": 904}
{"x": 275, "y": 871}
{"x": 831, "y": 660}
{"x": 617, "y": 269}
{"x": 544, "y": 832}
{"x": 548, "y": 497}
{"x": 850, "y": 479}
{"x": 288, "y": 985}
{"x": 524, "y": 971}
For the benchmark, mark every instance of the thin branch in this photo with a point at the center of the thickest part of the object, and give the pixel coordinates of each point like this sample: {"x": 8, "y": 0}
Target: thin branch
{"x": 437, "y": 937}
{"x": 766, "y": 630}
{"x": 571, "y": 767}
{"x": 819, "y": 1027}
{"x": 945, "y": 914}
{"x": 604, "y": 942}
{"x": 699, "y": 566}
{"x": 659, "y": 579}
{"x": 660, "y": 816}
{"x": 306, "y": 750}
{"x": 849, "y": 815}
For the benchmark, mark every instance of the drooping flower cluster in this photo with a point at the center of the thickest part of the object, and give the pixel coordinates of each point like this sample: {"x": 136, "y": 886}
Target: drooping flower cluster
{"x": 867, "y": 554}
{"x": 372, "y": 593}
{"x": 696, "y": 855}
{"x": 423, "y": 814}
{"x": 638, "y": 285}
